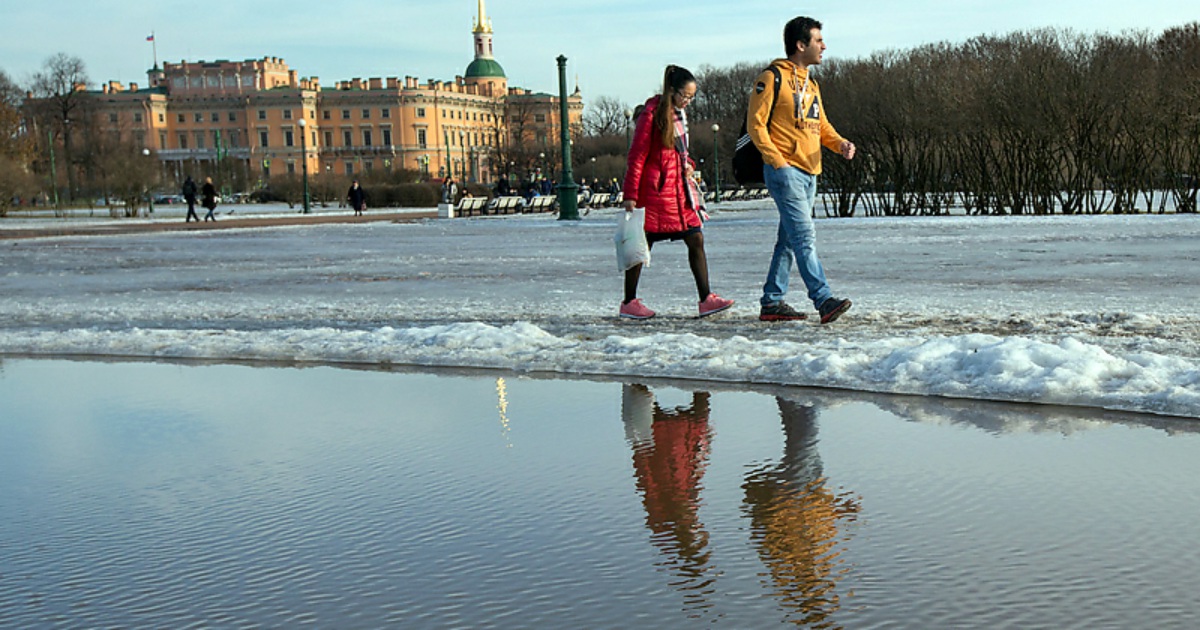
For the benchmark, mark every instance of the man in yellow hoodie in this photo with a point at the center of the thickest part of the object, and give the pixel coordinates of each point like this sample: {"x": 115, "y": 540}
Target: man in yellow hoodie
{"x": 790, "y": 139}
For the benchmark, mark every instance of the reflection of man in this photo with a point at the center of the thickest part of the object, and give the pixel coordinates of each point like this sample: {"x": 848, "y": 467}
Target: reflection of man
{"x": 794, "y": 520}
{"x": 670, "y": 451}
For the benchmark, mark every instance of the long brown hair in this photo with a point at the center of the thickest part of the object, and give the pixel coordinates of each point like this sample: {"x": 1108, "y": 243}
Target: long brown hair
{"x": 675, "y": 78}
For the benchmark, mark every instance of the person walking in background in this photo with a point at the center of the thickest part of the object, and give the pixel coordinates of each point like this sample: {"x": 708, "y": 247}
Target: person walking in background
{"x": 189, "y": 195}
{"x": 658, "y": 178}
{"x": 357, "y": 198}
{"x": 449, "y": 191}
{"x": 208, "y": 193}
{"x": 791, "y": 152}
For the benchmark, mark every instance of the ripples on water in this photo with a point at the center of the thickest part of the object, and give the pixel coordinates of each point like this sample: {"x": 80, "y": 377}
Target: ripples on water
{"x": 148, "y": 495}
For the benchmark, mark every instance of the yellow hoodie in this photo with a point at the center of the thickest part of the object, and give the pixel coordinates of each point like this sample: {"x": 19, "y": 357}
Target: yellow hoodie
{"x": 789, "y": 142}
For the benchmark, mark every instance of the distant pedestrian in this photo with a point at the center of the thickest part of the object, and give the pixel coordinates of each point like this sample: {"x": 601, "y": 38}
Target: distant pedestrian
{"x": 208, "y": 192}
{"x": 449, "y": 191}
{"x": 189, "y": 195}
{"x": 357, "y": 198}
{"x": 502, "y": 188}
{"x": 658, "y": 178}
{"x": 791, "y": 152}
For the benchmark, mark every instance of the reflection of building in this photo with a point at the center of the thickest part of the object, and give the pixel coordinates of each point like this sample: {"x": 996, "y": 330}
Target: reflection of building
{"x": 249, "y": 111}
{"x": 795, "y": 521}
{"x": 670, "y": 451}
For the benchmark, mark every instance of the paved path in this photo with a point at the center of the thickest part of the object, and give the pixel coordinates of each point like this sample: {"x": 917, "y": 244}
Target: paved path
{"x": 135, "y": 226}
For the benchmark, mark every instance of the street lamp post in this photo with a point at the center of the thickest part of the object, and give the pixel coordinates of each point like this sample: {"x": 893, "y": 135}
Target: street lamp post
{"x": 593, "y": 161}
{"x": 568, "y": 200}
{"x": 53, "y": 172}
{"x": 446, "y": 138}
{"x": 150, "y": 194}
{"x": 462, "y": 148}
{"x": 716, "y": 163}
{"x": 304, "y": 160}
{"x": 628, "y": 120}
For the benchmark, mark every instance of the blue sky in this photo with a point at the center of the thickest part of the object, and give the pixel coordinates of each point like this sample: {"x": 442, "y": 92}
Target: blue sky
{"x": 616, "y": 48}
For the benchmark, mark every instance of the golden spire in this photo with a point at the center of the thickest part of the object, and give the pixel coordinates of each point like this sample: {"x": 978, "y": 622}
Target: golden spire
{"x": 483, "y": 25}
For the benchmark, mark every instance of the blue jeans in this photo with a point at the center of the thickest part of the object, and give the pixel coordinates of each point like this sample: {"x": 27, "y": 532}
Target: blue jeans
{"x": 794, "y": 192}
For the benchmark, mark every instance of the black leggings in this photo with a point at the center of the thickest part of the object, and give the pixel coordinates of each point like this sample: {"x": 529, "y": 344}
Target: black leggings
{"x": 696, "y": 259}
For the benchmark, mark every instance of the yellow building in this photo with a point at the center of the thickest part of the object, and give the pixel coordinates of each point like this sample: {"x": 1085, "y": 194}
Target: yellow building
{"x": 261, "y": 114}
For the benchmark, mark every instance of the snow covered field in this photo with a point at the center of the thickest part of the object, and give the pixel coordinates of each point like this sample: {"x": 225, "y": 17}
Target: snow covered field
{"x": 1089, "y": 311}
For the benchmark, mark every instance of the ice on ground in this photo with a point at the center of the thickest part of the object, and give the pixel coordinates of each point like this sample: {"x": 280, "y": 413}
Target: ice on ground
{"x": 1086, "y": 311}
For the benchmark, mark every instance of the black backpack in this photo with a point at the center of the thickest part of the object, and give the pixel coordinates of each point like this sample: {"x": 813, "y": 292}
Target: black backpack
{"x": 747, "y": 160}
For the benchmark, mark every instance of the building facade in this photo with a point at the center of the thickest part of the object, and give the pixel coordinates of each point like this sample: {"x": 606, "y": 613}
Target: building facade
{"x": 261, "y": 116}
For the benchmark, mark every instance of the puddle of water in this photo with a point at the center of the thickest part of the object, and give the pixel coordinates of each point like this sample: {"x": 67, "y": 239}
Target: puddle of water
{"x": 143, "y": 494}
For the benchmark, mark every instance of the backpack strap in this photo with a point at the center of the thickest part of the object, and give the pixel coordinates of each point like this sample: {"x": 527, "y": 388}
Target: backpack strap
{"x": 774, "y": 99}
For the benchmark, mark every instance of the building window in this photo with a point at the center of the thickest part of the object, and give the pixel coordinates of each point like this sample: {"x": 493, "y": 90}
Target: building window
{"x": 368, "y": 165}
{"x": 262, "y": 138}
{"x": 287, "y": 114}
{"x": 385, "y": 113}
{"x": 349, "y": 168}
{"x": 347, "y": 138}
{"x": 162, "y": 118}
{"x": 162, "y": 140}
{"x": 367, "y": 138}
{"x": 420, "y": 112}
{"x": 289, "y": 139}
{"x": 325, "y": 115}
{"x": 137, "y": 117}
{"x": 345, "y": 114}
{"x": 198, "y": 117}
{"x": 183, "y": 141}
{"x": 199, "y": 139}
{"x": 541, "y": 118}
{"x": 291, "y": 168}
{"x": 112, "y": 118}
{"x": 179, "y": 117}
{"x": 328, "y": 138}
{"x": 366, "y": 114}
{"x": 262, "y": 114}
{"x": 387, "y": 137}
{"x": 421, "y": 142}
{"x": 216, "y": 117}
{"x": 232, "y": 116}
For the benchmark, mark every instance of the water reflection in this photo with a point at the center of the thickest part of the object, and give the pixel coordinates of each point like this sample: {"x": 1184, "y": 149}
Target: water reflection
{"x": 797, "y": 522}
{"x": 670, "y": 452}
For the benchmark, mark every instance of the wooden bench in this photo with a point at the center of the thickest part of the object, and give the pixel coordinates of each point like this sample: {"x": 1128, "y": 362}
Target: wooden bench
{"x": 542, "y": 203}
{"x": 470, "y": 206}
{"x": 505, "y": 205}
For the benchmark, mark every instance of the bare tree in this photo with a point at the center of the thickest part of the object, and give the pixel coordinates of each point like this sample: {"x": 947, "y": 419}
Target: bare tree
{"x": 16, "y": 147}
{"x": 60, "y": 87}
{"x": 605, "y": 116}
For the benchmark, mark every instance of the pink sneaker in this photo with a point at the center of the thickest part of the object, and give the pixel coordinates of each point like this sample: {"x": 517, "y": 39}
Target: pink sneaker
{"x": 636, "y": 310}
{"x": 714, "y": 304}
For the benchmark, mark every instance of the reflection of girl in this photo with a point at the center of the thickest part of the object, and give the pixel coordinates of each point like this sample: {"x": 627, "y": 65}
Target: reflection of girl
{"x": 670, "y": 451}
{"x": 658, "y": 177}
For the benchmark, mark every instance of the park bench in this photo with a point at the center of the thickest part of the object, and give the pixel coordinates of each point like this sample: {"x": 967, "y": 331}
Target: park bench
{"x": 542, "y": 203}
{"x": 470, "y": 206}
{"x": 505, "y": 205}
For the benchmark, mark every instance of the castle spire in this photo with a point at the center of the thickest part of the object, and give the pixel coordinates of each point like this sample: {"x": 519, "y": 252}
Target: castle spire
{"x": 483, "y": 25}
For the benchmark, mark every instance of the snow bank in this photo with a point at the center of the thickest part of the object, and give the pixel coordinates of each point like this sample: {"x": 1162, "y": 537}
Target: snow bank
{"x": 974, "y": 366}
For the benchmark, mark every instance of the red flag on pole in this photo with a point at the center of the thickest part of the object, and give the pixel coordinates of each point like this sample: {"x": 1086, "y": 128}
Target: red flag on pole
{"x": 150, "y": 38}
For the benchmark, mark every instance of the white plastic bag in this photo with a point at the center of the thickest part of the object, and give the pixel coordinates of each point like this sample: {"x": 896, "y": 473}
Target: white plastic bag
{"x": 632, "y": 248}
